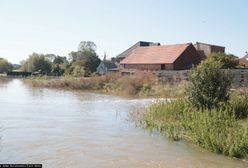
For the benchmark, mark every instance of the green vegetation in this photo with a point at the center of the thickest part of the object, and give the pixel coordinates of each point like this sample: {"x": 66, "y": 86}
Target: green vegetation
{"x": 209, "y": 85}
{"x": 37, "y": 62}
{"x": 81, "y": 63}
{"x": 216, "y": 129}
{"x": 210, "y": 115}
{"x": 225, "y": 61}
{"x": 85, "y": 61}
{"x": 5, "y": 66}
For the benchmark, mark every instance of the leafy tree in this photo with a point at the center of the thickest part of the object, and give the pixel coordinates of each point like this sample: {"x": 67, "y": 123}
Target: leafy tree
{"x": 5, "y": 66}
{"x": 85, "y": 57}
{"x": 37, "y": 62}
{"x": 57, "y": 69}
{"x": 50, "y": 57}
{"x": 78, "y": 71}
{"x": 87, "y": 46}
{"x": 60, "y": 60}
{"x": 226, "y": 61}
{"x": 209, "y": 85}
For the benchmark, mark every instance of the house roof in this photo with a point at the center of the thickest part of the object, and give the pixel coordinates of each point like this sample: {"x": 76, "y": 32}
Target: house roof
{"x": 163, "y": 54}
{"x": 138, "y": 44}
{"x": 246, "y": 56}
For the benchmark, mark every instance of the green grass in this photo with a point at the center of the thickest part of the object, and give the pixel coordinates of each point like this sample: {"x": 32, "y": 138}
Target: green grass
{"x": 217, "y": 130}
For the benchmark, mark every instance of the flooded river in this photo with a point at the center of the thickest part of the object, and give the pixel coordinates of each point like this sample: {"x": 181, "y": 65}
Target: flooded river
{"x": 74, "y": 129}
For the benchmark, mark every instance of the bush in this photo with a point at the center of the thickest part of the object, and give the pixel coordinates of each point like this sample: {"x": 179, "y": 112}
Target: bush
{"x": 225, "y": 61}
{"x": 208, "y": 86}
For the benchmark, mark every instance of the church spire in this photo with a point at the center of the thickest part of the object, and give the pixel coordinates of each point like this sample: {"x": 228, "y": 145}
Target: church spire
{"x": 104, "y": 57}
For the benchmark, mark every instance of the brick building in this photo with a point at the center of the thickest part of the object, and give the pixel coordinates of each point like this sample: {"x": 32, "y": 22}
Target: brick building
{"x": 161, "y": 57}
{"x": 243, "y": 62}
{"x": 204, "y": 49}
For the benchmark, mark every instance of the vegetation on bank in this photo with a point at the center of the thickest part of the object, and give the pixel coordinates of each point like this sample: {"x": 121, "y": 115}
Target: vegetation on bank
{"x": 79, "y": 64}
{"x": 138, "y": 85}
{"x": 5, "y": 66}
{"x": 209, "y": 115}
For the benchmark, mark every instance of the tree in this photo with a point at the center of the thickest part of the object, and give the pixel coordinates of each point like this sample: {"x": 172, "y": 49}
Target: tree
{"x": 5, "y": 66}
{"x": 57, "y": 69}
{"x": 59, "y": 60}
{"x": 37, "y": 62}
{"x": 226, "y": 61}
{"x": 87, "y": 46}
{"x": 85, "y": 57}
{"x": 209, "y": 85}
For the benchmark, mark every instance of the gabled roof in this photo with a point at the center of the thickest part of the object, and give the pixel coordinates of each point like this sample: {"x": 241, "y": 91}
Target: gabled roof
{"x": 246, "y": 56}
{"x": 138, "y": 44}
{"x": 164, "y": 54}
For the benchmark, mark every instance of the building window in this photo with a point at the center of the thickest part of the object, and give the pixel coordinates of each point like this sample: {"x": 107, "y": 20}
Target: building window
{"x": 162, "y": 66}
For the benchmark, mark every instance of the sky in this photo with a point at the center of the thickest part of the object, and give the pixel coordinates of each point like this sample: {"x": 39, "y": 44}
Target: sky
{"x": 58, "y": 26}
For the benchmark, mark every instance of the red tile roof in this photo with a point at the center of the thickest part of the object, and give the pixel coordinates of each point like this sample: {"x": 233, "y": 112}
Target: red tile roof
{"x": 164, "y": 54}
{"x": 243, "y": 62}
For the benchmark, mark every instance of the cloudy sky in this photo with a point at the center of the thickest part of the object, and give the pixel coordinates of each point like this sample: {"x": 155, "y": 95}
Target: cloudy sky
{"x": 57, "y": 26}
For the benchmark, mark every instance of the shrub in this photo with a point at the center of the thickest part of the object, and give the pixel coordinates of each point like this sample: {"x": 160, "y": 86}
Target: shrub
{"x": 208, "y": 86}
{"x": 225, "y": 61}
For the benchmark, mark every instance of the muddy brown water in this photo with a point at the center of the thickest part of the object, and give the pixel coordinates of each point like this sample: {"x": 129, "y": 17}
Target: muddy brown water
{"x": 74, "y": 129}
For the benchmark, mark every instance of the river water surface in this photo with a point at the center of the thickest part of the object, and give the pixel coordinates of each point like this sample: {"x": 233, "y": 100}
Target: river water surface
{"x": 74, "y": 129}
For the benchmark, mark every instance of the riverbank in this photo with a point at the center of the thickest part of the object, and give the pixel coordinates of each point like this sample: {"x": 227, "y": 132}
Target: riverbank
{"x": 216, "y": 130}
{"x": 222, "y": 130}
{"x": 137, "y": 86}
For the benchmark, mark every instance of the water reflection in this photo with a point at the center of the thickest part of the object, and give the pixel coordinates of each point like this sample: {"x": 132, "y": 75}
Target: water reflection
{"x": 74, "y": 129}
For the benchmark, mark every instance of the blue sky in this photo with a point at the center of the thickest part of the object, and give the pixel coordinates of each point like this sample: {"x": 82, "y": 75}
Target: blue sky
{"x": 57, "y": 26}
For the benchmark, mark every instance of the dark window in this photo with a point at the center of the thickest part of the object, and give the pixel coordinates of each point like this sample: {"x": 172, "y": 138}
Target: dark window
{"x": 162, "y": 66}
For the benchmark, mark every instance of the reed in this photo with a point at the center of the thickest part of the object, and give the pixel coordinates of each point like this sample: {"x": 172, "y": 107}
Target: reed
{"x": 218, "y": 130}
{"x": 138, "y": 85}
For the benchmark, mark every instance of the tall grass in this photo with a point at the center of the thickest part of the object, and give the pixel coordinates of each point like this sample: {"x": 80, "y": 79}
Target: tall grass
{"x": 217, "y": 130}
{"x": 140, "y": 85}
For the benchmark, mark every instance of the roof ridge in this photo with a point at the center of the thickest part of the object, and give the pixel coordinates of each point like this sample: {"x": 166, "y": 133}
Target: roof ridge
{"x": 165, "y": 45}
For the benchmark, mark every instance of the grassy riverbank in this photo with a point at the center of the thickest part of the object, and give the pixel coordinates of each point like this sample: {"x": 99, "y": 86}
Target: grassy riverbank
{"x": 222, "y": 130}
{"x": 139, "y": 85}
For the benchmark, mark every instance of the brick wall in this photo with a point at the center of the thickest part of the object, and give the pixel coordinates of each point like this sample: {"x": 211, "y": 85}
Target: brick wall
{"x": 240, "y": 77}
{"x": 154, "y": 67}
{"x": 187, "y": 59}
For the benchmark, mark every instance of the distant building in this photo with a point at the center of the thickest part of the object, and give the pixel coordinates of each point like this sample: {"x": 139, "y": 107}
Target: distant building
{"x": 161, "y": 57}
{"x": 106, "y": 66}
{"x": 205, "y": 49}
{"x": 243, "y": 62}
{"x": 127, "y": 52}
